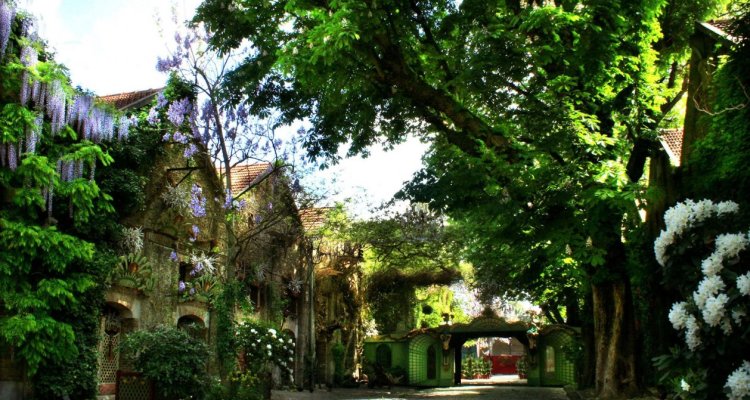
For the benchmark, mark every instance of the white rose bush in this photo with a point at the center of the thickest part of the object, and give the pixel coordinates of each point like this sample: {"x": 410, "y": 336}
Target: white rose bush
{"x": 711, "y": 269}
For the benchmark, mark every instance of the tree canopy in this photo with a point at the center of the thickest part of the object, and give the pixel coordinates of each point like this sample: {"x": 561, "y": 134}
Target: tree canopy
{"x": 541, "y": 117}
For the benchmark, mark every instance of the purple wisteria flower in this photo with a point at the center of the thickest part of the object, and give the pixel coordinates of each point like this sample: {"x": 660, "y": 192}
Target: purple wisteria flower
{"x": 56, "y": 100}
{"x": 192, "y": 291}
{"x": 195, "y": 231}
{"x": 173, "y": 256}
{"x": 12, "y": 157}
{"x": 161, "y": 101}
{"x": 228, "y": 198}
{"x": 190, "y": 150}
{"x": 181, "y": 287}
{"x": 123, "y": 127}
{"x": 7, "y": 13}
{"x": 167, "y": 136}
{"x": 153, "y": 116}
{"x": 179, "y": 137}
{"x": 197, "y": 201}
{"x": 177, "y": 111}
{"x": 169, "y": 63}
{"x": 198, "y": 268}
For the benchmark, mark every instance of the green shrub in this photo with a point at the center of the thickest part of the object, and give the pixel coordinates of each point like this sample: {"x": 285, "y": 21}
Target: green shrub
{"x": 171, "y": 358}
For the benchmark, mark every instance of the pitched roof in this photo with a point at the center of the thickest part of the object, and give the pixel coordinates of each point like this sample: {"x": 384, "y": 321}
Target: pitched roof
{"x": 313, "y": 218}
{"x": 130, "y": 100}
{"x": 671, "y": 139}
{"x": 245, "y": 175}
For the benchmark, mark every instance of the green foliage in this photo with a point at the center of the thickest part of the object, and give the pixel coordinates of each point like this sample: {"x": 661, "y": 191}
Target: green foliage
{"x": 50, "y": 275}
{"x": 171, "y": 358}
{"x": 471, "y": 367}
{"x": 720, "y": 158}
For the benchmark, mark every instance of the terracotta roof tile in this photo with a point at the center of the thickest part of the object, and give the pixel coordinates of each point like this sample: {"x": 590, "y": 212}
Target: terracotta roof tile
{"x": 313, "y": 218}
{"x": 247, "y": 174}
{"x": 130, "y": 100}
{"x": 671, "y": 139}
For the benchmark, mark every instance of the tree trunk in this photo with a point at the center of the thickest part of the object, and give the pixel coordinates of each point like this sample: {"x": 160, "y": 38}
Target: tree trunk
{"x": 614, "y": 340}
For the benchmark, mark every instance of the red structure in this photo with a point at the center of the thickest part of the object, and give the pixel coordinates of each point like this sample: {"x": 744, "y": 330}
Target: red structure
{"x": 504, "y": 364}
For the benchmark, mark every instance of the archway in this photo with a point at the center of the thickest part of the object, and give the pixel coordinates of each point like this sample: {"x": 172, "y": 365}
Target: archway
{"x": 482, "y": 327}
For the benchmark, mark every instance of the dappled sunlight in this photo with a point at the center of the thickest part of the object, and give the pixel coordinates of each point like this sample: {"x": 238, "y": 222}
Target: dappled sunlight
{"x": 453, "y": 392}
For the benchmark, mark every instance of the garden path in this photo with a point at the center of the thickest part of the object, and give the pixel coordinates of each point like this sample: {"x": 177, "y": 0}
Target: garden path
{"x": 466, "y": 392}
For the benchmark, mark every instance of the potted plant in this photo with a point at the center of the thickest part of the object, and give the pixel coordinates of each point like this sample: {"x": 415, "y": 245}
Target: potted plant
{"x": 522, "y": 367}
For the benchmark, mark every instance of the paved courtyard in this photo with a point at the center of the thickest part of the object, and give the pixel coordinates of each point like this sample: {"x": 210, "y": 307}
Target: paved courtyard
{"x": 483, "y": 392}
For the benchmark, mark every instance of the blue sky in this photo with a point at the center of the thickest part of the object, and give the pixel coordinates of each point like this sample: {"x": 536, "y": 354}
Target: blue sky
{"x": 111, "y": 46}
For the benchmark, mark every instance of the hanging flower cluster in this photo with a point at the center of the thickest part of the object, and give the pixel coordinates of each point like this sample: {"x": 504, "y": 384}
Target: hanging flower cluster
{"x": 7, "y": 13}
{"x": 263, "y": 346}
{"x": 49, "y": 99}
{"x": 197, "y": 201}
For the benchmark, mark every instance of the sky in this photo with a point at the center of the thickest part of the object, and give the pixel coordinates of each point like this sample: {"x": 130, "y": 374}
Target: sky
{"x": 111, "y": 46}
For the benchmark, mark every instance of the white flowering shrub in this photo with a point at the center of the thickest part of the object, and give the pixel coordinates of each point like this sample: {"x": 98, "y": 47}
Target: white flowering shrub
{"x": 264, "y": 346}
{"x": 707, "y": 267}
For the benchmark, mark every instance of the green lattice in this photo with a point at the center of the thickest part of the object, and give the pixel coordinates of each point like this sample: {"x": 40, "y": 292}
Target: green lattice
{"x": 561, "y": 370}
{"x": 418, "y": 360}
{"x": 133, "y": 387}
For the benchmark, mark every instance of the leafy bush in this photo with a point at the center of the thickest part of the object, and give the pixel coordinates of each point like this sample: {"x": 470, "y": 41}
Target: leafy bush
{"x": 171, "y": 358}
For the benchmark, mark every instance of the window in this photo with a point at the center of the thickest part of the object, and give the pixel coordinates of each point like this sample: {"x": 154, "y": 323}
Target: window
{"x": 383, "y": 355}
{"x": 549, "y": 359}
{"x": 431, "y": 362}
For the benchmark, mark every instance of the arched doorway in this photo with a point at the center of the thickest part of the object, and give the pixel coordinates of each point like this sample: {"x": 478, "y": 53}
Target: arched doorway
{"x": 116, "y": 320}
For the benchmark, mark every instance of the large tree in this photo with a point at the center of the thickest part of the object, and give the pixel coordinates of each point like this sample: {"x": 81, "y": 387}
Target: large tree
{"x": 541, "y": 114}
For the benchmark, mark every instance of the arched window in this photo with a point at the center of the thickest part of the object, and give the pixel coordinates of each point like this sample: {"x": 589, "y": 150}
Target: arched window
{"x": 549, "y": 359}
{"x": 431, "y": 362}
{"x": 383, "y": 356}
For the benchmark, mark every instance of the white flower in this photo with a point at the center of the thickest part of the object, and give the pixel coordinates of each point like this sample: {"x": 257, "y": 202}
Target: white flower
{"x": 661, "y": 243}
{"x": 291, "y": 359}
{"x": 727, "y": 207}
{"x": 692, "y": 333}
{"x": 715, "y": 309}
{"x": 743, "y": 284}
{"x": 281, "y": 340}
{"x": 729, "y": 245}
{"x": 253, "y": 330}
{"x": 738, "y": 382}
{"x": 710, "y": 286}
{"x": 268, "y": 346}
{"x": 269, "y": 354}
{"x": 291, "y": 341}
{"x": 684, "y": 385}
{"x": 712, "y": 265}
{"x": 272, "y": 332}
{"x": 678, "y": 315}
